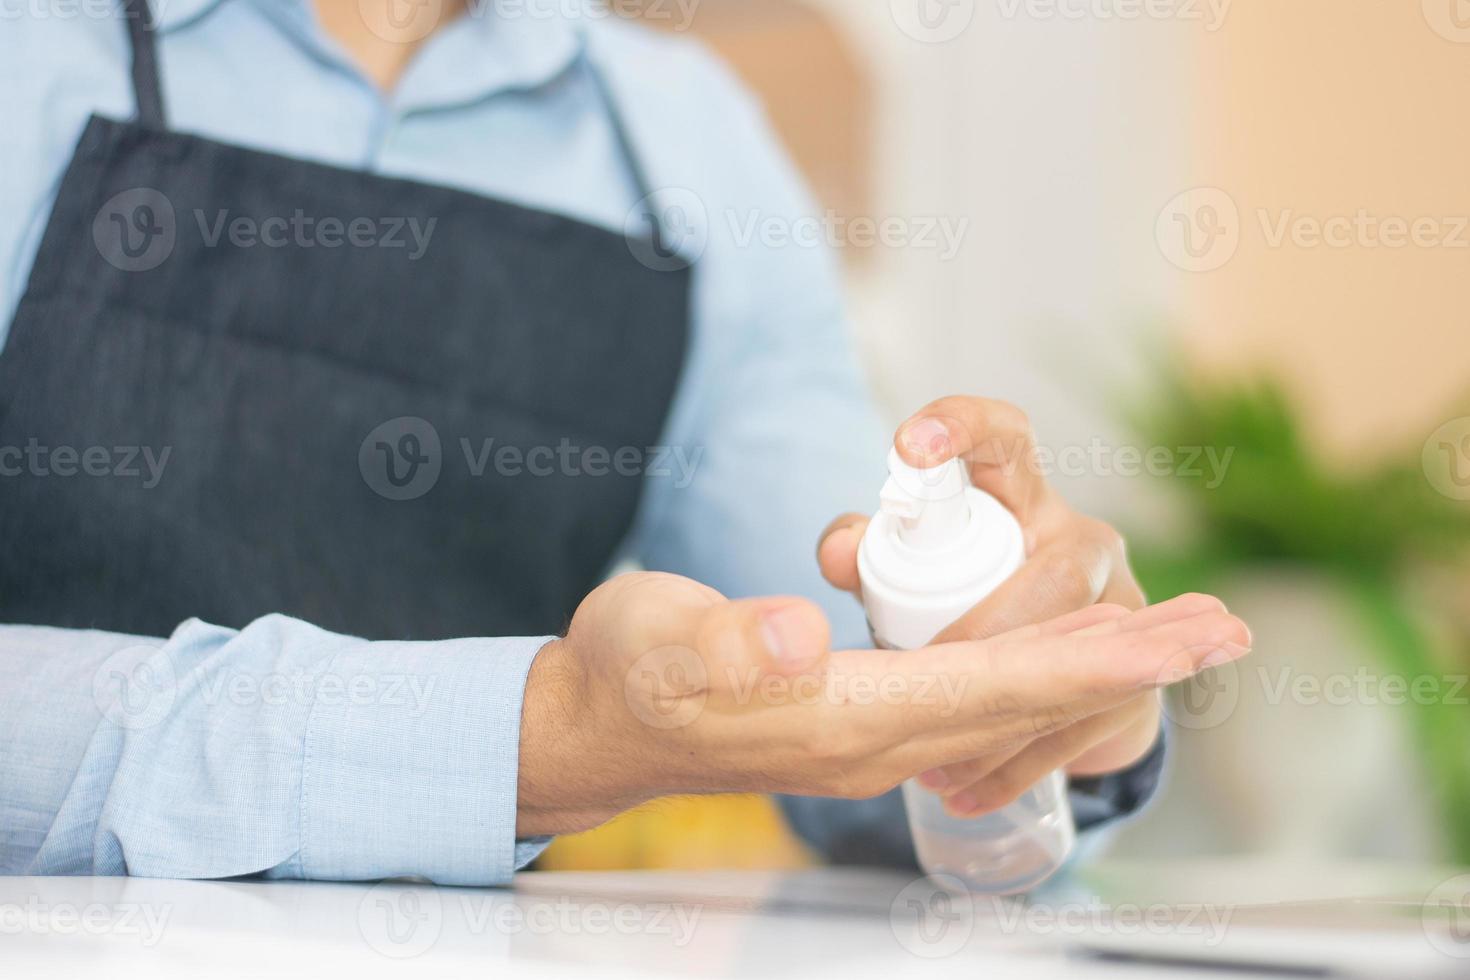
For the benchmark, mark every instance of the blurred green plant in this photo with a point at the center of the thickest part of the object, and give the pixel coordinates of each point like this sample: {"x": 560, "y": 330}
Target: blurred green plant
{"x": 1280, "y": 503}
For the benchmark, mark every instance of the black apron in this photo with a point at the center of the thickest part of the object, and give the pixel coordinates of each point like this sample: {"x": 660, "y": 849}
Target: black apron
{"x": 209, "y": 425}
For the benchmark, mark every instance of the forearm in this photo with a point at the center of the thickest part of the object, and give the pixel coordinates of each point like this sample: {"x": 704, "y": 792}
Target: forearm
{"x": 280, "y": 749}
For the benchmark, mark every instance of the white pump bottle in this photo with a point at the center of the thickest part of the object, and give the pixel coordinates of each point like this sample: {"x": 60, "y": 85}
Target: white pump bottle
{"x": 936, "y": 548}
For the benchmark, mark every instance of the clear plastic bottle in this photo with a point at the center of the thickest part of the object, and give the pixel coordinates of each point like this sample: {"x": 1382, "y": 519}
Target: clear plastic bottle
{"x": 936, "y": 547}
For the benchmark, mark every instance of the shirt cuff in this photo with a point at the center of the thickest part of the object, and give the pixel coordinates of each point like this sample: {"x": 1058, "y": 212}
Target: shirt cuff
{"x": 1102, "y": 799}
{"x": 410, "y": 763}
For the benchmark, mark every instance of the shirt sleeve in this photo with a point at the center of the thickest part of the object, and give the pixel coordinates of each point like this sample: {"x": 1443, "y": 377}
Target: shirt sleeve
{"x": 280, "y": 749}
{"x": 785, "y": 436}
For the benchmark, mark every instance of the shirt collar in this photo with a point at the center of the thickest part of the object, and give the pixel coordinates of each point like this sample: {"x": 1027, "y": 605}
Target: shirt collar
{"x": 495, "y": 45}
{"x": 169, "y": 15}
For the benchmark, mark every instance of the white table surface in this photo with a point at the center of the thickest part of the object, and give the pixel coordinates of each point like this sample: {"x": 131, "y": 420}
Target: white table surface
{"x": 846, "y": 923}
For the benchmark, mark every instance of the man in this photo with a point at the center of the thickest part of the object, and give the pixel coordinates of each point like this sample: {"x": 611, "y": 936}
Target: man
{"x": 415, "y": 351}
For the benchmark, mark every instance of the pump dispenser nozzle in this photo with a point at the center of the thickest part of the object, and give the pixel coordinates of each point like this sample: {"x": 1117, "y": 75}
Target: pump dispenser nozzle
{"x": 930, "y": 504}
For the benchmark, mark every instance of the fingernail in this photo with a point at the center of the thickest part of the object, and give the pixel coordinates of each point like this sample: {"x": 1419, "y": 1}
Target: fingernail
{"x": 1223, "y": 655}
{"x": 787, "y": 638}
{"x": 961, "y": 803}
{"x": 928, "y": 438}
{"x": 934, "y": 779}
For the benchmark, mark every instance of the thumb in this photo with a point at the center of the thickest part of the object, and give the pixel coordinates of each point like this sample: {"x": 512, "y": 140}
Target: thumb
{"x": 838, "y": 550}
{"x": 752, "y": 637}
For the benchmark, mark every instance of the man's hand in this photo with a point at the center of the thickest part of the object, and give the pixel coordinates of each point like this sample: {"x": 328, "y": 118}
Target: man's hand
{"x": 1073, "y": 563}
{"x": 662, "y": 686}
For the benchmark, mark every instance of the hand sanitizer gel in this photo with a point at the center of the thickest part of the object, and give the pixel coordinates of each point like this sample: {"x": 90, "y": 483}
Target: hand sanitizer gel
{"x": 936, "y": 548}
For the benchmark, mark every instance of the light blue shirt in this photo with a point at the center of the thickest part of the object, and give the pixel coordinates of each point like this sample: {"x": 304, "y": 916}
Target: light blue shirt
{"x": 285, "y": 750}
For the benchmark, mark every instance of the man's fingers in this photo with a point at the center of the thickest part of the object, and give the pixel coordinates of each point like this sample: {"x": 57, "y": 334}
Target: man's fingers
{"x": 984, "y": 790}
{"x": 1127, "y": 745}
{"x": 1168, "y": 611}
{"x": 837, "y": 552}
{"x": 1083, "y": 619}
{"x": 1109, "y": 618}
{"x": 1029, "y": 677}
{"x": 995, "y": 440}
{"x": 989, "y": 698}
{"x": 945, "y": 780}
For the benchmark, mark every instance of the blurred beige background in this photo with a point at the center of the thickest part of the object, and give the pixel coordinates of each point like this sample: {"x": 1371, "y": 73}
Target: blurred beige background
{"x": 1062, "y": 138}
{"x": 1324, "y": 108}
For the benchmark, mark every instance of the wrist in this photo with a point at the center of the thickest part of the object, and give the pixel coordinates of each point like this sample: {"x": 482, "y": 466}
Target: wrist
{"x": 566, "y": 780}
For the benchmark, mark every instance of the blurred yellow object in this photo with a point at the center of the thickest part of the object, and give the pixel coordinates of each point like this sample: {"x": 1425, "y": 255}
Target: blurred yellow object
{"x": 685, "y": 833}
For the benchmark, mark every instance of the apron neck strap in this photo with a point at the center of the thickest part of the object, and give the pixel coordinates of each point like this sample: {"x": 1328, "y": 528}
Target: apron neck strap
{"x": 629, "y": 151}
{"x": 148, "y": 92}
{"x": 147, "y": 86}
